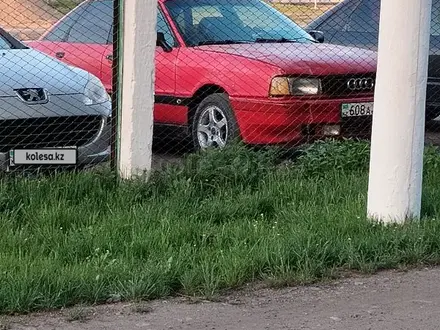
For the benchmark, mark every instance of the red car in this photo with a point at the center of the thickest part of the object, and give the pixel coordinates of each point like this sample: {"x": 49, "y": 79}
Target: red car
{"x": 228, "y": 69}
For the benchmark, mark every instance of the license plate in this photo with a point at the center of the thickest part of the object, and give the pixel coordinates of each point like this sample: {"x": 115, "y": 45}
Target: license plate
{"x": 357, "y": 109}
{"x": 55, "y": 156}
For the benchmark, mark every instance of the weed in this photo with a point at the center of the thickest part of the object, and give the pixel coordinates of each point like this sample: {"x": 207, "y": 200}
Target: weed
{"x": 141, "y": 308}
{"x": 328, "y": 156}
{"x": 79, "y": 314}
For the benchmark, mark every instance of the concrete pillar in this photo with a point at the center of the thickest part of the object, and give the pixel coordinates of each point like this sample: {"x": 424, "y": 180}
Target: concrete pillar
{"x": 137, "y": 98}
{"x": 396, "y": 165}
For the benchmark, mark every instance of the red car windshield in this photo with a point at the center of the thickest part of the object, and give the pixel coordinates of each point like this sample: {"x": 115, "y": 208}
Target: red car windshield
{"x": 232, "y": 21}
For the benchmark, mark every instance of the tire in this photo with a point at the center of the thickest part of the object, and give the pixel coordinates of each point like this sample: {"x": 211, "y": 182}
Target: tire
{"x": 214, "y": 123}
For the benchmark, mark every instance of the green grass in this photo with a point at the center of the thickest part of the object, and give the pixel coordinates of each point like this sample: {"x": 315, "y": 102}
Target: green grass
{"x": 218, "y": 221}
{"x": 64, "y": 6}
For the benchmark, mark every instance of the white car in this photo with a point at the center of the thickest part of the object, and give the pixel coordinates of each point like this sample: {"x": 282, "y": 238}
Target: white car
{"x": 50, "y": 113}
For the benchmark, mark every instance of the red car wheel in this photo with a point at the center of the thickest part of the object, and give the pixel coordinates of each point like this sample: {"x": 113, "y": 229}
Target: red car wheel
{"x": 214, "y": 123}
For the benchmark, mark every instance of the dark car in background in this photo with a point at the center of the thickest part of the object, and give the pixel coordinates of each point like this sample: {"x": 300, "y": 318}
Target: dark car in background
{"x": 356, "y": 23}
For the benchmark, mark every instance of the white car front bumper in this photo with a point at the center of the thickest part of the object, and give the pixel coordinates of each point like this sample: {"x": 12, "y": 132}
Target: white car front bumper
{"x": 65, "y": 122}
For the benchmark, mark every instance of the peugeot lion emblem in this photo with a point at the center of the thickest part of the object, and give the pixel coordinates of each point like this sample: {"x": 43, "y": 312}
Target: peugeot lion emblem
{"x": 32, "y": 95}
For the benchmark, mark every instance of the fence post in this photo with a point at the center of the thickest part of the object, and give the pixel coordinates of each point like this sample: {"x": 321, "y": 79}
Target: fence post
{"x": 137, "y": 98}
{"x": 396, "y": 164}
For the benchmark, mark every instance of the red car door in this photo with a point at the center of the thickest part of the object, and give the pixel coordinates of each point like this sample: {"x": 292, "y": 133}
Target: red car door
{"x": 88, "y": 57}
{"x": 166, "y": 110}
{"x": 82, "y": 38}
{"x": 53, "y": 42}
{"x": 88, "y": 39}
{"x": 107, "y": 67}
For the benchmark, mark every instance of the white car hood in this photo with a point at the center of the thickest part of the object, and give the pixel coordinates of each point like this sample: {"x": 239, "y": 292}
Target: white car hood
{"x": 29, "y": 68}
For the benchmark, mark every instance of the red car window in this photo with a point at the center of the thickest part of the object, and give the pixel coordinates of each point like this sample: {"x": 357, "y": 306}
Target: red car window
{"x": 94, "y": 25}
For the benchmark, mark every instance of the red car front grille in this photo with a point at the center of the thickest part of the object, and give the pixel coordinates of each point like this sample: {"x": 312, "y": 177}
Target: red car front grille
{"x": 348, "y": 85}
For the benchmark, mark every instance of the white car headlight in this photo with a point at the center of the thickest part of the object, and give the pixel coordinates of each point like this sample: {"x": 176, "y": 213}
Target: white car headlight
{"x": 95, "y": 92}
{"x": 305, "y": 86}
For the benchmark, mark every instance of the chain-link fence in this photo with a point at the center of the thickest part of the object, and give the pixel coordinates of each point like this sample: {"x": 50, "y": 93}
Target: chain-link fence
{"x": 278, "y": 73}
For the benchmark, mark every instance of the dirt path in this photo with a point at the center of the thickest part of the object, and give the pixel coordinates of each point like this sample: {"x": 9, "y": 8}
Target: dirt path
{"x": 388, "y": 301}
{"x": 27, "y": 19}
{"x": 30, "y": 14}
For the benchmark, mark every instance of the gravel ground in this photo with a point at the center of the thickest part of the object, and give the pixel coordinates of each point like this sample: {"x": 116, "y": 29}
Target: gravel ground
{"x": 387, "y": 301}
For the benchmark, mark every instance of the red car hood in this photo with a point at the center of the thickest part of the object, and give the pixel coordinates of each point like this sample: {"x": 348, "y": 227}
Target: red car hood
{"x": 301, "y": 58}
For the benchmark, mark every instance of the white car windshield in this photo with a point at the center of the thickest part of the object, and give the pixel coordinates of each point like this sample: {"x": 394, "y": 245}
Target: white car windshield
{"x": 204, "y": 22}
{"x": 4, "y": 44}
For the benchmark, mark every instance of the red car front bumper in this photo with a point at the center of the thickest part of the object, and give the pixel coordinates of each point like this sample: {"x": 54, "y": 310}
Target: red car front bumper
{"x": 297, "y": 121}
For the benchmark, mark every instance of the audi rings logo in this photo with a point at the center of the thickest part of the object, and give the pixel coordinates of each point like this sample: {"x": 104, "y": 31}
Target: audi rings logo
{"x": 360, "y": 84}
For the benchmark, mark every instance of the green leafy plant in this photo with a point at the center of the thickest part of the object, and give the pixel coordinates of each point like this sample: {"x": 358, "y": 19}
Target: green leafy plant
{"x": 334, "y": 155}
